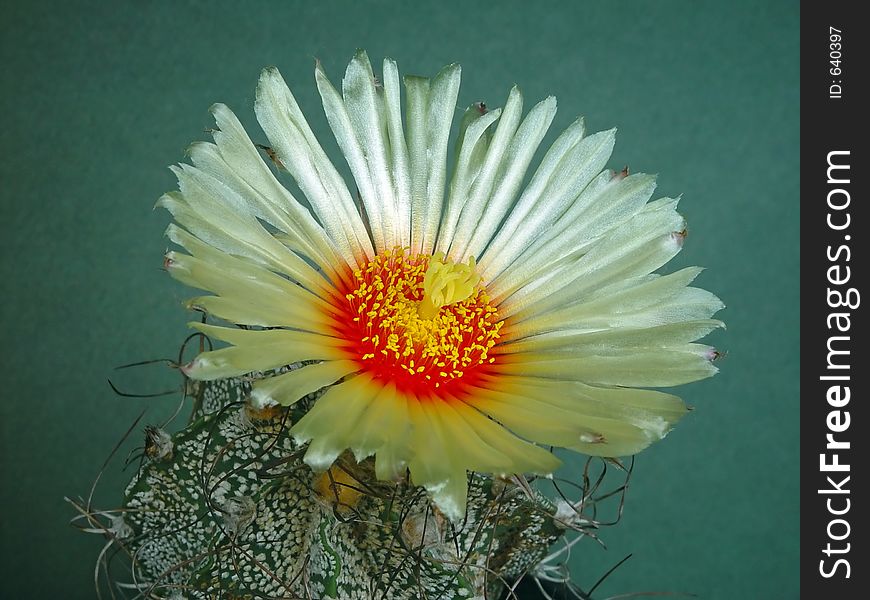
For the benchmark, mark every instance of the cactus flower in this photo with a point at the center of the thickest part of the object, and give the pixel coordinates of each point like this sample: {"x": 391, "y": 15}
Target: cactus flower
{"x": 456, "y": 319}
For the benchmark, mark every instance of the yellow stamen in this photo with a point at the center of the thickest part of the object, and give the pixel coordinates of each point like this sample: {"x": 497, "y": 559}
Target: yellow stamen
{"x": 422, "y": 321}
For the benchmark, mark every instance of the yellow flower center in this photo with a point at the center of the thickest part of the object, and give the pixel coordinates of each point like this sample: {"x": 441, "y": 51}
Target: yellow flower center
{"x": 446, "y": 283}
{"x": 421, "y": 322}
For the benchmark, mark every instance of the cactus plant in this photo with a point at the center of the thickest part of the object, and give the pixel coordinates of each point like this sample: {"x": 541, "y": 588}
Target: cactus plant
{"x": 226, "y": 508}
{"x": 398, "y": 366}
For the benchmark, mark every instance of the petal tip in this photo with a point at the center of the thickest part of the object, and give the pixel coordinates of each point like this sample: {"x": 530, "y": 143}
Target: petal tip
{"x": 260, "y": 400}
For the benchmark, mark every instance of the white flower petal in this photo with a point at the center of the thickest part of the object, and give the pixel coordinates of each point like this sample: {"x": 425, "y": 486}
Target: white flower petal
{"x": 287, "y": 388}
{"x": 649, "y": 414}
{"x": 300, "y": 152}
{"x": 471, "y": 145}
{"x": 640, "y": 302}
{"x": 234, "y": 160}
{"x": 238, "y": 281}
{"x": 600, "y": 208}
{"x": 383, "y": 429}
{"x": 612, "y": 421}
{"x": 522, "y": 457}
{"x": 610, "y": 338}
{"x": 394, "y": 431}
{"x": 481, "y": 190}
{"x": 416, "y": 111}
{"x": 237, "y": 308}
{"x": 218, "y": 272}
{"x": 514, "y": 165}
{"x": 257, "y": 351}
{"x": 430, "y": 109}
{"x": 444, "y": 478}
{"x": 530, "y": 418}
{"x": 643, "y": 244}
{"x": 329, "y": 422}
{"x": 208, "y": 159}
{"x": 401, "y": 168}
{"x": 634, "y": 367}
{"x": 357, "y": 122}
{"x": 568, "y": 167}
{"x": 217, "y": 215}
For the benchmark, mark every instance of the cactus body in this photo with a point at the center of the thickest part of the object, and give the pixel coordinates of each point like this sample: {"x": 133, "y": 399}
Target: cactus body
{"x": 228, "y": 509}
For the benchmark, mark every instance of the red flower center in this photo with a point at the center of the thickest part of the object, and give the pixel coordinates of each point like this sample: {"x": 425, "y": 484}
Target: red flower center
{"x": 420, "y": 322}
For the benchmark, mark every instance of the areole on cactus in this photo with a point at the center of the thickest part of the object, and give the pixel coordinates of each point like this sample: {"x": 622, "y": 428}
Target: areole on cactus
{"x": 399, "y": 359}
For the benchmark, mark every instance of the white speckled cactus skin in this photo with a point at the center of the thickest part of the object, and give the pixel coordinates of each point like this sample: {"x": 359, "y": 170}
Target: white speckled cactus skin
{"x": 226, "y": 508}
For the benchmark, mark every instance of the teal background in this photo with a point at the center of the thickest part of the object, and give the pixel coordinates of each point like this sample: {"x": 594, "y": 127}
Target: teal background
{"x": 97, "y": 98}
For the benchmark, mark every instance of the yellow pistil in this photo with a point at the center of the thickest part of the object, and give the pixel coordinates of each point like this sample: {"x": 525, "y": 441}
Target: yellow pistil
{"x": 446, "y": 283}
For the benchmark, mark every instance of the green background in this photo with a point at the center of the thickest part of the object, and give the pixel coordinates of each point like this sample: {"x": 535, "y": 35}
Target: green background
{"x": 98, "y": 98}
